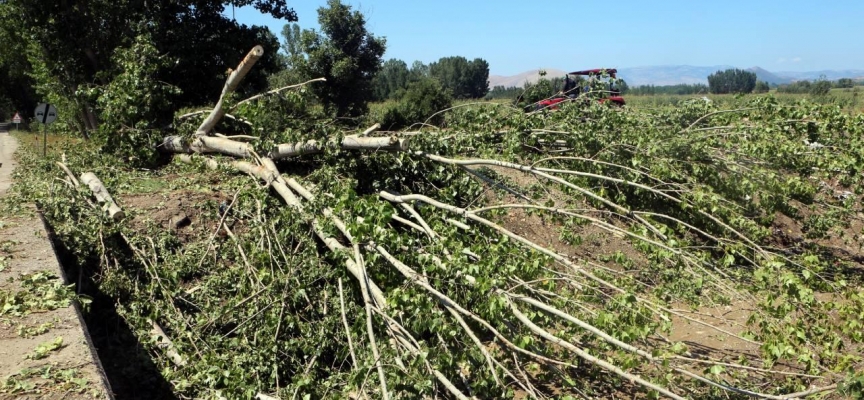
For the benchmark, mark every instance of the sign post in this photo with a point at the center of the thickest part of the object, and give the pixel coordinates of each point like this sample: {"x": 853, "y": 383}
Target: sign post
{"x": 16, "y": 120}
{"x": 46, "y": 114}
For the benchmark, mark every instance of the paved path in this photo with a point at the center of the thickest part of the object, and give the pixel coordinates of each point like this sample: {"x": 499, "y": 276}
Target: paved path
{"x": 26, "y": 256}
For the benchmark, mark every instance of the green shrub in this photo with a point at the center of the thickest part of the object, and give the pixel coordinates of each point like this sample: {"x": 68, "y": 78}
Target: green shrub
{"x": 133, "y": 104}
{"x": 420, "y": 101}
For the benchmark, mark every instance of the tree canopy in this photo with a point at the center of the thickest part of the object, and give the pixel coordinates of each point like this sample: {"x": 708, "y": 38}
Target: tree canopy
{"x": 732, "y": 81}
{"x": 393, "y": 77}
{"x": 64, "y": 47}
{"x": 465, "y": 79}
{"x": 344, "y": 53}
{"x": 462, "y": 78}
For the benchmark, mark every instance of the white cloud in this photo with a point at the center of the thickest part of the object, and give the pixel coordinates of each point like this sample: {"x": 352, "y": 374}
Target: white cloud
{"x": 781, "y": 60}
{"x": 796, "y": 59}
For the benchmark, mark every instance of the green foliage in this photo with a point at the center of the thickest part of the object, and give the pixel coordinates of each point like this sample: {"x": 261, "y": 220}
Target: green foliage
{"x": 62, "y": 48}
{"x": 346, "y": 54}
{"x": 16, "y": 87}
{"x": 761, "y": 87}
{"x": 26, "y": 331}
{"x": 133, "y": 104}
{"x": 821, "y": 87}
{"x": 40, "y": 292}
{"x": 391, "y": 80}
{"x": 44, "y": 349}
{"x": 49, "y": 379}
{"x": 262, "y": 312}
{"x": 465, "y": 79}
{"x": 542, "y": 89}
{"x": 291, "y": 37}
{"x": 501, "y": 92}
{"x": 732, "y": 81}
{"x": 680, "y": 89}
{"x": 796, "y": 87}
{"x": 853, "y": 386}
{"x": 462, "y": 78}
{"x": 417, "y": 104}
{"x": 844, "y": 83}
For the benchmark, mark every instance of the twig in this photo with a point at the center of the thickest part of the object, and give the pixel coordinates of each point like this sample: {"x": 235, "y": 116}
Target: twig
{"x": 275, "y": 91}
{"x": 584, "y": 355}
{"x": 345, "y": 323}
{"x": 369, "y": 327}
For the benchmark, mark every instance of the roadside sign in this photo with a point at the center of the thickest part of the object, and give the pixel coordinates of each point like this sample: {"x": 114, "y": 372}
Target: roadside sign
{"x": 45, "y": 113}
{"x": 16, "y": 119}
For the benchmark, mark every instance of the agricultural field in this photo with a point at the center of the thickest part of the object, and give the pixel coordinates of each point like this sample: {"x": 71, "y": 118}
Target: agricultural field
{"x": 697, "y": 250}
{"x": 848, "y": 99}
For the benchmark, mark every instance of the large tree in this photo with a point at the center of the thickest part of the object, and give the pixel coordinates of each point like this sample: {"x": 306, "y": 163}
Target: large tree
{"x": 16, "y": 87}
{"x": 291, "y": 35}
{"x": 465, "y": 79}
{"x": 346, "y": 54}
{"x": 69, "y": 45}
{"x": 732, "y": 81}
{"x": 393, "y": 77}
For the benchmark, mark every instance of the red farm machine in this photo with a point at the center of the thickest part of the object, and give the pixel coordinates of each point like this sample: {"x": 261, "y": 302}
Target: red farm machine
{"x": 599, "y": 84}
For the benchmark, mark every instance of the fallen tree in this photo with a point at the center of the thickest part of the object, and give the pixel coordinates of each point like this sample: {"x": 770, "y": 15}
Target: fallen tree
{"x": 448, "y": 294}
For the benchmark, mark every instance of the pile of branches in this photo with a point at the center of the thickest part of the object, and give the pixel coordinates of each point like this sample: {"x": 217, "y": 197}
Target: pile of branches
{"x": 369, "y": 264}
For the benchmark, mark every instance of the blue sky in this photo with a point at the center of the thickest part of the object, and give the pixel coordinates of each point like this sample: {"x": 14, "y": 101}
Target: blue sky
{"x": 516, "y": 36}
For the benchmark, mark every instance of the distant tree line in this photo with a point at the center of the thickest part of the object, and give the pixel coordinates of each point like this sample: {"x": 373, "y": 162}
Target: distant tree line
{"x": 740, "y": 81}
{"x": 728, "y": 81}
{"x": 503, "y": 92}
{"x": 681, "y": 89}
{"x": 732, "y": 81}
{"x": 462, "y": 78}
{"x": 847, "y": 83}
{"x": 820, "y": 87}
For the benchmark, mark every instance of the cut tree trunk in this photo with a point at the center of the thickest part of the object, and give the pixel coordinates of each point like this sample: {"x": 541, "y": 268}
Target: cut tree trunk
{"x": 90, "y": 179}
{"x": 230, "y": 85}
{"x": 390, "y": 143}
{"x": 207, "y": 144}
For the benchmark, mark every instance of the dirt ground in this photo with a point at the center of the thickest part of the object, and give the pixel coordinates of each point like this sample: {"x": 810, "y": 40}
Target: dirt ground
{"x": 44, "y": 349}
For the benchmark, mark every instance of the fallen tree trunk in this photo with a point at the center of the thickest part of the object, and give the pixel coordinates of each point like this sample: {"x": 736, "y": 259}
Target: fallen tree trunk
{"x": 91, "y": 180}
{"x": 165, "y": 343}
{"x": 390, "y": 143}
{"x": 207, "y": 144}
{"x": 221, "y": 145}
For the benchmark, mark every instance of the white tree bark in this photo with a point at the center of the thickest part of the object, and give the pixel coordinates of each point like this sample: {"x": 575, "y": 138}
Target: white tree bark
{"x": 230, "y": 85}
{"x": 296, "y": 149}
{"x": 207, "y": 144}
{"x": 90, "y": 179}
{"x": 390, "y": 143}
{"x": 165, "y": 343}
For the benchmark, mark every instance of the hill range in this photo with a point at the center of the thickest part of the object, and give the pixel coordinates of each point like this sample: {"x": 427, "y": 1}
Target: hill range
{"x": 662, "y": 75}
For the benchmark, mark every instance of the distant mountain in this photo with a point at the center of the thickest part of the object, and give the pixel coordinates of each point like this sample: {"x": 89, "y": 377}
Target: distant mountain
{"x": 831, "y": 75}
{"x": 678, "y": 74}
{"x": 520, "y": 79}
{"x": 769, "y": 77}
{"x": 668, "y": 74}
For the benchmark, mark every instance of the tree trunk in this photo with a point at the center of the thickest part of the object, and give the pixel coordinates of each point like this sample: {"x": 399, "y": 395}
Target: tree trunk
{"x": 206, "y": 144}
{"x": 90, "y": 179}
{"x": 230, "y": 85}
